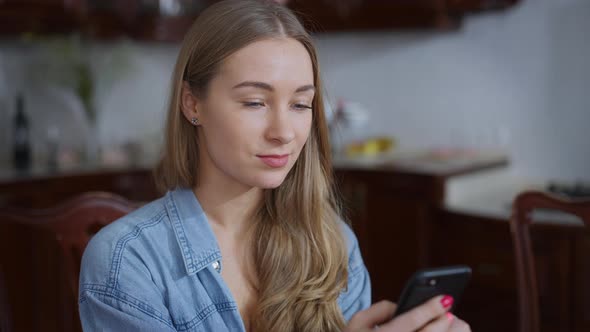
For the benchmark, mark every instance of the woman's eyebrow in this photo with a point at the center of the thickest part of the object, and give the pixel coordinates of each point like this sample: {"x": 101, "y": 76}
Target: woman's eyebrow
{"x": 268, "y": 87}
{"x": 259, "y": 85}
{"x": 304, "y": 88}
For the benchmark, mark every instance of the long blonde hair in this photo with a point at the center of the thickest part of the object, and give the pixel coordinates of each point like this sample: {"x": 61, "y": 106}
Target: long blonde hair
{"x": 299, "y": 251}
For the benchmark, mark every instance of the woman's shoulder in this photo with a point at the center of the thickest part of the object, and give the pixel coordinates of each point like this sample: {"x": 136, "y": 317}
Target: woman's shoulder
{"x": 131, "y": 233}
{"x": 357, "y": 295}
{"x": 355, "y": 260}
{"x": 348, "y": 233}
{"x": 148, "y": 215}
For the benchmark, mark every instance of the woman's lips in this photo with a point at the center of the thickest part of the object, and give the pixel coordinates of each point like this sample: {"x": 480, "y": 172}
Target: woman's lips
{"x": 274, "y": 160}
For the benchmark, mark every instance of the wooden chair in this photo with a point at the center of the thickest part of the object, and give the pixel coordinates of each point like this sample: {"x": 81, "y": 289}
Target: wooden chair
{"x": 5, "y": 315}
{"x": 524, "y": 204}
{"x": 41, "y": 252}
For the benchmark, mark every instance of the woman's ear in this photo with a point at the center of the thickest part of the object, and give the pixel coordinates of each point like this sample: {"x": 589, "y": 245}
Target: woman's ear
{"x": 189, "y": 103}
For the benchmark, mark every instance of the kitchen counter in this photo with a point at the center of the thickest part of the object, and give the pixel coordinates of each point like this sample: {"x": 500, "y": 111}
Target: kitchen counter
{"x": 490, "y": 194}
{"x": 419, "y": 162}
{"x": 426, "y": 162}
{"x": 8, "y": 175}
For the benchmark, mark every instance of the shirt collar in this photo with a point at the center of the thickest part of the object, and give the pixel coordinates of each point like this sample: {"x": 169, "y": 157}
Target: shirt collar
{"x": 194, "y": 235}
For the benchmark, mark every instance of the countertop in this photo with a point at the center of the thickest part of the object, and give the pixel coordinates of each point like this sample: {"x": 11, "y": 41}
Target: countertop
{"x": 490, "y": 194}
{"x": 423, "y": 162}
{"x": 8, "y": 175}
{"x": 476, "y": 183}
{"x": 426, "y": 162}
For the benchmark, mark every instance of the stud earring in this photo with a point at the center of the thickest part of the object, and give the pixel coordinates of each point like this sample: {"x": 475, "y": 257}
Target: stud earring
{"x": 194, "y": 121}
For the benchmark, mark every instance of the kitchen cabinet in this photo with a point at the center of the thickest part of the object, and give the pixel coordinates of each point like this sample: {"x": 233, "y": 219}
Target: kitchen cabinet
{"x": 37, "y": 17}
{"x": 389, "y": 213}
{"x": 49, "y": 190}
{"x": 106, "y": 19}
{"x": 580, "y": 289}
{"x": 163, "y": 21}
{"x": 350, "y": 15}
{"x": 391, "y": 206}
{"x": 397, "y": 210}
{"x": 168, "y": 21}
{"x": 341, "y": 15}
{"x": 466, "y": 6}
{"x": 490, "y": 301}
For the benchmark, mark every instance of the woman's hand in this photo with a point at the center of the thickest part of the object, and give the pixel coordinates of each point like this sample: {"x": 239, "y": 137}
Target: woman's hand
{"x": 431, "y": 316}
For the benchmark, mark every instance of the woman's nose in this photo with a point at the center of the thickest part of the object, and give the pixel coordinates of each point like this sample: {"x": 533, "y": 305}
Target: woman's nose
{"x": 280, "y": 129}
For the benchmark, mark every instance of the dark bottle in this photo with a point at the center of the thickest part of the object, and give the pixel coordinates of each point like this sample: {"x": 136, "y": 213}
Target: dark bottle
{"x": 21, "y": 139}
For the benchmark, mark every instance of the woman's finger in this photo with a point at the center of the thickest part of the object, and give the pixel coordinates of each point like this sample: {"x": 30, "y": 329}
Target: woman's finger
{"x": 459, "y": 326}
{"x": 376, "y": 314}
{"x": 441, "y": 324}
{"x": 418, "y": 317}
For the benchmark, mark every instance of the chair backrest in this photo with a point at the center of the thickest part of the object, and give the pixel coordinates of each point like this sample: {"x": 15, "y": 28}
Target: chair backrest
{"x": 523, "y": 206}
{"x": 5, "y": 315}
{"x": 69, "y": 226}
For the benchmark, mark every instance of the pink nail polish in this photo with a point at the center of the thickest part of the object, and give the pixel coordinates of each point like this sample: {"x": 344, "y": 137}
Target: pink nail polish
{"x": 450, "y": 316}
{"x": 447, "y": 301}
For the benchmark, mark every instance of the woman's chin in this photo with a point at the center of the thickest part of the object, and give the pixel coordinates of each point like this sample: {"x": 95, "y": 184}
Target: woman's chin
{"x": 270, "y": 182}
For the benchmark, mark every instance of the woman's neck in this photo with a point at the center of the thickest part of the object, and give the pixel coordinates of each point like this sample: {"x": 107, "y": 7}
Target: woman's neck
{"x": 230, "y": 214}
{"x": 229, "y": 210}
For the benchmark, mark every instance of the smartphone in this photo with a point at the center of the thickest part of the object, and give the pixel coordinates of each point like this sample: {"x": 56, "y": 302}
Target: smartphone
{"x": 428, "y": 283}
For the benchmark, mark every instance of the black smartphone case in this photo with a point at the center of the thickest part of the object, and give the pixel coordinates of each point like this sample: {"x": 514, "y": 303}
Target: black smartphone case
{"x": 428, "y": 283}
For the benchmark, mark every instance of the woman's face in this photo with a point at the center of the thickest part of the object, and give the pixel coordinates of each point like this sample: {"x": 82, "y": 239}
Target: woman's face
{"x": 257, "y": 114}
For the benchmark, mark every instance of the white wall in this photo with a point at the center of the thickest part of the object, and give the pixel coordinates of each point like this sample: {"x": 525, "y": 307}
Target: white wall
{"x": 132, "y": 84}
{"x": 520, "y": 78}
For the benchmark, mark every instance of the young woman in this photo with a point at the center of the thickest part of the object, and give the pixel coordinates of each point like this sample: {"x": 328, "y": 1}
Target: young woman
{"x": 248, "y": 236}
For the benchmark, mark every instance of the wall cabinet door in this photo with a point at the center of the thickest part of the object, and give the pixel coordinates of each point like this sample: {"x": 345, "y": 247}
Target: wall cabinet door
{"x": 168, "y": 21}
{"x": 341, "y": 15}
{"x": 38, "y": 17}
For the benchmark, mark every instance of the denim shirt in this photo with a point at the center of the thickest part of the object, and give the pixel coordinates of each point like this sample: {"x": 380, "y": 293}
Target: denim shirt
{"x": 158, "y": 269}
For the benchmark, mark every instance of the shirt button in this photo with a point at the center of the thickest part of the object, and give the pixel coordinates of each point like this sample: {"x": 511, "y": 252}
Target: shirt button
{"x": 217, "y": 266}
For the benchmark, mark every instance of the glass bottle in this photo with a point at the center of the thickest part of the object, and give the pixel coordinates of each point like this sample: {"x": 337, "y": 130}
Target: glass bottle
{"x": 21, "y": 139}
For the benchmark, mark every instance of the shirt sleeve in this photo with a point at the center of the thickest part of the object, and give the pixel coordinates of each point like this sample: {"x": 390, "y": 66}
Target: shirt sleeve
{"x": 101, "y": 311}
{"x": 357, "y": 295}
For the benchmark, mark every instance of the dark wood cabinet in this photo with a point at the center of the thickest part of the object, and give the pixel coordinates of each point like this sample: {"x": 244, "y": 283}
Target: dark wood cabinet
{"x": 347, "y": 15}
{"x": 154, "y": 22}
{"x": 490, "y": 301}
{"x": 38, "y": 17}
{"x": 466, "y": 6}
{"x": 43, "y": 192}
{"x": 390, "y": 213}
{"x": 580, "y": 309}
{"x": 107, "y": 19}
{"x": 391, "y": 208}
{"x": 402, "y": 225}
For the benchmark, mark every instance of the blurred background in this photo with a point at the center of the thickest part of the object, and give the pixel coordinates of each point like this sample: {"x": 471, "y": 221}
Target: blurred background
{"x": 441, "y": 111}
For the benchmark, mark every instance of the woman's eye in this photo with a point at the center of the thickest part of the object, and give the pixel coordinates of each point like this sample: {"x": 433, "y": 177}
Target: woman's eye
{"x": 302, "y": 107}
{"x": 253, "y": 104}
